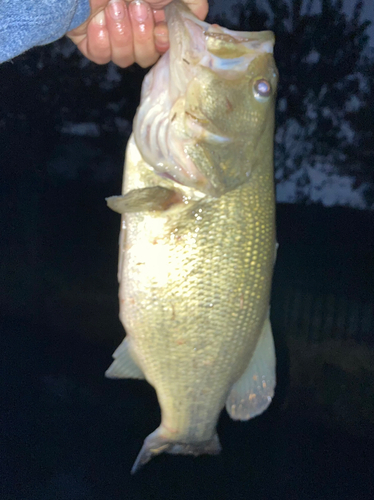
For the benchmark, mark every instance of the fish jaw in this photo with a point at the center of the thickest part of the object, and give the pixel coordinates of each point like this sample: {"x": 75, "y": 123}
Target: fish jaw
{"x": 198, "y": 107}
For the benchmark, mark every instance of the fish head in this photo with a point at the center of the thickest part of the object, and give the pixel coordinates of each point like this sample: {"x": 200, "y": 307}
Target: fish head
{"x": 206, "y": 118}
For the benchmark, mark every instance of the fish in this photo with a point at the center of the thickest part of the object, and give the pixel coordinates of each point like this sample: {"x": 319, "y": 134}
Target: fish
{"x": 198, "y": 241}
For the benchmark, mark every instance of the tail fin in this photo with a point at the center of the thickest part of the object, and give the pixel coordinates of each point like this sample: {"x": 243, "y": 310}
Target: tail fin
{"x": 156, "y": 443}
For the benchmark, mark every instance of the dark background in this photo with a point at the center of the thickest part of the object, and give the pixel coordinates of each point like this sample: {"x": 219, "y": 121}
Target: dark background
{"x": 66, "y": 431}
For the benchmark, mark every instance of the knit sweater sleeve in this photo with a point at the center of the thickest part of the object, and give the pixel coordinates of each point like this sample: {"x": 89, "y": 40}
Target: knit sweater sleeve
{"x": 27, "y": 23}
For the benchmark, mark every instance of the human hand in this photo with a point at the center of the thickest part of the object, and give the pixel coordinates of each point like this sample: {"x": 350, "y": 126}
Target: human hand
{"x": 125, "y": 32}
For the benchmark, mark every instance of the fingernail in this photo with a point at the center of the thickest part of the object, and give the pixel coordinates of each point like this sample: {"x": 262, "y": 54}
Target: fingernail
{"x": 139, "y": 10}
{"x": 100, "y": 18}
{"x": 116, "y": 10}
{"x": 162, "y": 34}
{"x": 162, "y": 38}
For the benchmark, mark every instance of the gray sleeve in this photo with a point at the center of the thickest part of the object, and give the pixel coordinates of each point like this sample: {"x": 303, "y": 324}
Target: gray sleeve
{"x": 27, "y": 23}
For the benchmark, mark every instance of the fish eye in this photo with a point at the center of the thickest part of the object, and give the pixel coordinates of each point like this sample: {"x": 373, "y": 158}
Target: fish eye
{"x": 262, "y": 89}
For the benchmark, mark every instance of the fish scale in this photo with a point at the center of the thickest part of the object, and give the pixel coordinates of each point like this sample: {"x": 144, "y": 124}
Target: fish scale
{"x": 185, "y": 306}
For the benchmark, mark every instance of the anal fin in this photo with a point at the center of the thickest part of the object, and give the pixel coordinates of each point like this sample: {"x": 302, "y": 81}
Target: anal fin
{"x": 253, "y": 392}
{"x": 124, "y": 365}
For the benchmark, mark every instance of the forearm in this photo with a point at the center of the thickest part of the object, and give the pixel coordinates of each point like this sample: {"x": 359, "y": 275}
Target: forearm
{"x": 27, "y": 23}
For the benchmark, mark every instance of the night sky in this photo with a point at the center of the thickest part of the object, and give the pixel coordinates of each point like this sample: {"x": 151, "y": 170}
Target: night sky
{"x": 218, "y": 6}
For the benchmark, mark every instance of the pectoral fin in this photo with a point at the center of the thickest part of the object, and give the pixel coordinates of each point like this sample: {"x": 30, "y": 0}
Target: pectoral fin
{"x": 144, "y": 200}
{"x": 253, "y": 392}
{"x": 124, "y": 365}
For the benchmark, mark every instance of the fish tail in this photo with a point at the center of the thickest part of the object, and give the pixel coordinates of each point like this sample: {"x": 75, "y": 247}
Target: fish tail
{"x": 157, "y": 443}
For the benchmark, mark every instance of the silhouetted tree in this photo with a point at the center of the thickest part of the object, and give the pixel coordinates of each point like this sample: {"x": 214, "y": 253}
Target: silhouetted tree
{"x": 320, "y": 54}
{"x": 360, "y": 149}
{"x": 324, "y": 105}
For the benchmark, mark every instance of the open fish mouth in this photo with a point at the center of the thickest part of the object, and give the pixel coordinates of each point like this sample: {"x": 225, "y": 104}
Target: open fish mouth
{"x": 173, "y": 120}
{"x": 220, "y": 49}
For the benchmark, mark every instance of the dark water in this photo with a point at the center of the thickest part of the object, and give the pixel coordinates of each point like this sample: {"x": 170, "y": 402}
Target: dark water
{"x": 67, "y": 433}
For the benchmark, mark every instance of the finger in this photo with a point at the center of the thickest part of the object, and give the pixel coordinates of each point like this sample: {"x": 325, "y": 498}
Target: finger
{"x": 158, "y": 15}
{"x": 120, "y": 33}
{"x": 77, "y": 39}
{"x": 98, "y": 43}
{"x": 198, "y": 7}
{"x": 97, "y": 5}
{"x": 81, "y": 30}
{"x": 161, "y": 35}
{"x": 142, "y": 28}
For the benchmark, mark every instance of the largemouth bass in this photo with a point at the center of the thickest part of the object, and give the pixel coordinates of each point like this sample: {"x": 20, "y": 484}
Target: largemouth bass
{"x": 197, "y": 242}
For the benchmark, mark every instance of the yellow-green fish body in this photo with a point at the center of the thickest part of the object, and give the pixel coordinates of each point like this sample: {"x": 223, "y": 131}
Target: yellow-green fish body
{"x": 197, "y": 244}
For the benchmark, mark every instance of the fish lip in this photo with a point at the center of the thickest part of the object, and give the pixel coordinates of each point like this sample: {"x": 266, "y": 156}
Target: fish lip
{"x": 241, "y": 36}
{"x": 205, "y": 43}
{"x": 264, "y": 35}
{"x": 254, "y": 41}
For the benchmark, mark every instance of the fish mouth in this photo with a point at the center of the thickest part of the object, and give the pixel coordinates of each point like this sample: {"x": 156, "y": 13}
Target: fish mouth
{"x": 224, "y": 51}
{"x": 170, "y": 122}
